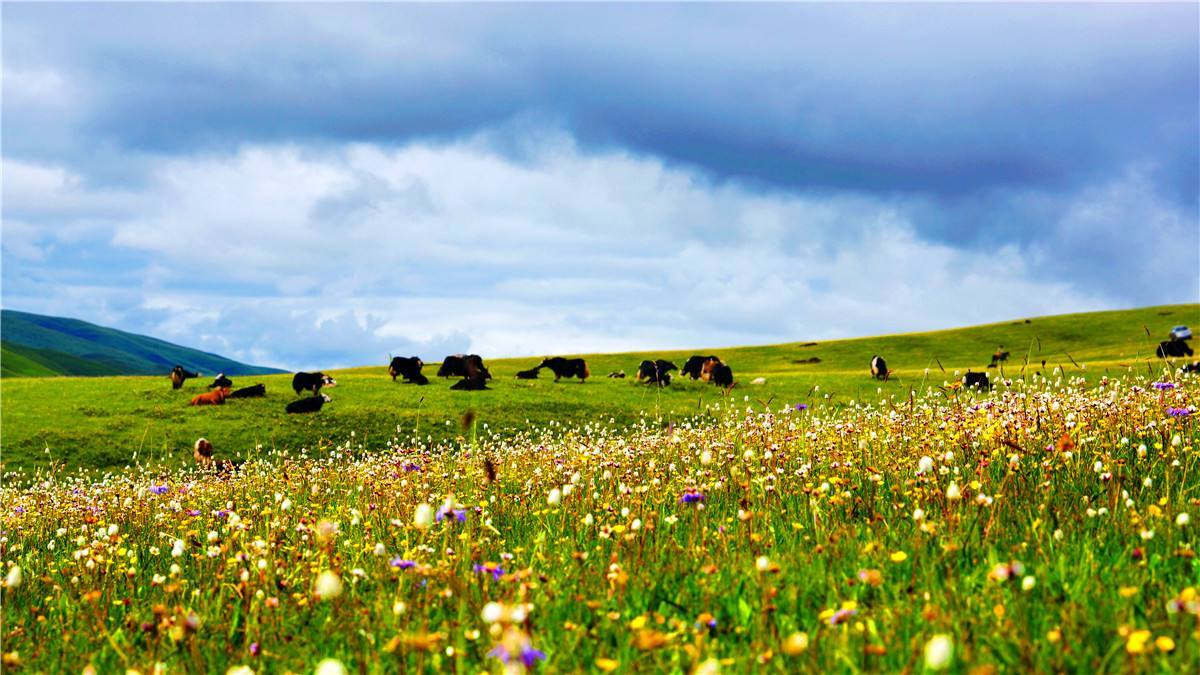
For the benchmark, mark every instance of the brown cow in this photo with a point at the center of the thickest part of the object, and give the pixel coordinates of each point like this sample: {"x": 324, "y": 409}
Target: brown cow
{"x": 214, "y": 397}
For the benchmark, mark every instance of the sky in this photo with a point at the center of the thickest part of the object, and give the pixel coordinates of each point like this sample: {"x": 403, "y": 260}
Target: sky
{"x": 317, "y": 186}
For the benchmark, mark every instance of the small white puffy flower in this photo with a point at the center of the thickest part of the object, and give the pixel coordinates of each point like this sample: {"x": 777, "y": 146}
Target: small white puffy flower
{"x": 328, "y": 586}
{"x": 380, "y": 549}
{"x": 492, "y": 612}
{"x": 1182, "y": 520}
{"x": 925, "y": 465}
{"x": 952, "y": 492}
{"x": 1028, "y": 583}
{"x": 939, "y": 652}
{"x": 13, "y": 578}
{"x": 330, "y": 667}
{"x": 555, "y": 497}
{"x": 763, "y": 563}
{"x": 423, "y": 516}
{"x": 919, "y": 515}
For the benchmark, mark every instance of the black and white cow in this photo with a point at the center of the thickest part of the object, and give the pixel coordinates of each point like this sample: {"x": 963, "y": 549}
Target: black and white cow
{"x": 879, "y": 369}
{"x": 408, "y": 368}
{"x": 310, "y": 404}
{"x": 567, "y": 368}
{"x": 221, "y": 382}
{"x": 311, "y": 382}
{"x": 179, "y": 375}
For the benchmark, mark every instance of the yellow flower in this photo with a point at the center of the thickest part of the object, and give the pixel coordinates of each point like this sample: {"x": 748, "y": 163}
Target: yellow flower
{"x": 607, "y": 665}
{"x": 1136, "y": 644}
{"x": 1164, "y": 644}
{"x": 795, "y": 644}
{"x": 899, "y": 556}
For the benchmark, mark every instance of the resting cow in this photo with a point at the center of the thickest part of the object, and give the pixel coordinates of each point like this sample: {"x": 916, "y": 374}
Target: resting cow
{"x": 617, "y": 374}
{"x": 475, "y": 383}
{"x": 1173, "y": 348}
{"x": 256, "y": 391}
{"x": 221, "y": 382}
{"x": 178, "y": 375}
{"x": 214, "y": 397}
{"x": 408, "y": 368}
{"x": 694, "y": 366}
{"x": 311, "y": 382}
{"x": 976, "y": 381}
{"x": 567, "y": 368}
{"x": 879, "y": 369}
{"x": 308, "y": 405}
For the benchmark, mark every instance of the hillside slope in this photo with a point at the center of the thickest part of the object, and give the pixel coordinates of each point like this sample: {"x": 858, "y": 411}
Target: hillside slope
{"x": 106, "y": 422}
{"x": 46, "y": 345}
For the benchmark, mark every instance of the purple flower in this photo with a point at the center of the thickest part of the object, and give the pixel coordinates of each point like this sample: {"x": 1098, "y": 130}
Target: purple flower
{"x": 160, "y": 489}
{"x": 254, "y": 649}
{"x": 500, "y": 652}
{"x": 20, "y": 510}
{"x": 495, "y": 570}
{"x": 193, "y": 512}
{"x": 410, "y": 467}
{"x": 459, "y": 514}
{"x": 691, "y": 497}
{"x": 800, "y": 407}
{"x": 841, "y": 616}
{"x": 1163, "y": 386}
{"x": 531, "y": 656}
{"x": 1178, "y": 412}
{"x": 403, "y": 564}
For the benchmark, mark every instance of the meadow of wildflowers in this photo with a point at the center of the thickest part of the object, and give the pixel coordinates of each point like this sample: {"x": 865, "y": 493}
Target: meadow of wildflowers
{"x": 1045, "y": 526}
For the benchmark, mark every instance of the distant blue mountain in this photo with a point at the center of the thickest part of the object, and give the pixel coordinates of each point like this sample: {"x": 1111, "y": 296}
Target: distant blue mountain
{"x": 33, "y": 344}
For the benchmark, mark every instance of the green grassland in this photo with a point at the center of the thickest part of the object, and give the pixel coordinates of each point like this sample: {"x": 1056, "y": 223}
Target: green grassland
{"x": 109, "y": 422}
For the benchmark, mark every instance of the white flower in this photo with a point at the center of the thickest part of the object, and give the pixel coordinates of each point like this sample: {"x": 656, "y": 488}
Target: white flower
{"x": 287, "y": 504}
{"x": 13, "y": 578}
{"x": 328, "y": 586}
{"x": 1182, "y": 520}
{"x": 925, "y": 465}
{"x": 492, "y": 612}
{"x": 919, "y": 515}
{"x": 763, "y": 563}
{"x": 423, "y": 516}
{"x": 240, "y": 670}
{"x": 380, "y": 549}
{"x": 939, "y": 652}
{"x": 952, "y": 492}
{"x": 1028, "y": 583}
{"x": 706, "y": 457}
{"x": 555, "y": 497}
{"x": 330, "y": 667}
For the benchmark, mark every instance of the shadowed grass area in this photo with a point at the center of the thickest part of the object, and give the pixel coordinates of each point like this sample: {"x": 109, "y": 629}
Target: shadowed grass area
{"x": 109, "y": 422}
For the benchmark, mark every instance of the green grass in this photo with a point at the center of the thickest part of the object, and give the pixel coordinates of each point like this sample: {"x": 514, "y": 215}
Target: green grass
{"x": 110, "y": 422}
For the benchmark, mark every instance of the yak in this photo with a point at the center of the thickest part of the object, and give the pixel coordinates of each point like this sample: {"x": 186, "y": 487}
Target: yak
{"x": 257, "y": 391}
{"x": 221, "y": 382}
{"x": 721, "y": 375}
{"x": 567, "y": 368}
{"x": 178, "y": 375}
{"x": 694, "y": 366}
{"x": 976, "y": 381}
{"x": 310, "y": 404}
{"x": 1173, "y": 348}
{"x": 879, "y": 369}
{"x": 530, "y": 374}
{"x": 408, "y": 368}
{"x": 657, "y": 372}
{"x": 458, "y": 365}
{"x": 311, "y": 382}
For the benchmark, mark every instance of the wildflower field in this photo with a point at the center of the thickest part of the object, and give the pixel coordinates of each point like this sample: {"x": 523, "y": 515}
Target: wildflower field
{"x": 1044, "y": 526}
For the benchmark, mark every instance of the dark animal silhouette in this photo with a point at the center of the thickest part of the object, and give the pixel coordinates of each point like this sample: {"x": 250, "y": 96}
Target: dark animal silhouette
{"x": 202, "y": 451}
{"x": 256, "y": 391}
{"x": 976, "y": 381}
{"x": 419, "y": 379}
{"x": 308, "y": 405}
{"x": 459, "y": 365}
{"x": 1173, "y": 348}
{"x": 879, "y": 369}
{"x": 178, "y": 375}
{"x": 1193, "y": 367}
{"x": 311, "y": 382}
{"x": 567, "y": 368}
{"x": 617, "y": 374}
{"x": 475, "y": 383}
{"x": 657, "y": 372}
{"x": 694, "y": 366}
{"x": 721, "y": 375}
{"x": 221, "y": 382}
{"x": 214, "y": 397}
{"x": 530, "y": 374}
{"x": 999, "y": 356}
{"x": 408, "y": 368}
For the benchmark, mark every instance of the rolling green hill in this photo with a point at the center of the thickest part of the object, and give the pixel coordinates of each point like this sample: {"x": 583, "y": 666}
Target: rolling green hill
{"x": 107, "y": 422}
{"x": 36, "y": 345}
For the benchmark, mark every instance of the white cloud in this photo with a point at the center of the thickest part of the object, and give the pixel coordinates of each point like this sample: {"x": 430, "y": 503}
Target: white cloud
{"x": 302, "y": 258}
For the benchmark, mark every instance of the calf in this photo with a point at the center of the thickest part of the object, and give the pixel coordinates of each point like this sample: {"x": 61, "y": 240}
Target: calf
{"x": 308, "y": 405}
{"x": 530, "y": 374}
{"x": 257, "y": 391}
{"x": 567, "y": 368}
{"x": 408, "y": 368}
{"x": 976, "y": 381}
{"x": 221, "y": 382}
{"x": 721, "y": 375}
{"x": 311, "y": 382}
{"x": 1173, "y": 348}
{"x": 618, "y": 374}
{"x": 214, "y": 397}
{"x": 694, "y": 366}
{"x": 419, "y": 379}
{"x": 178, "y": 375}
{"x": 473, "y": 383}
{"x": 879, "y": 369}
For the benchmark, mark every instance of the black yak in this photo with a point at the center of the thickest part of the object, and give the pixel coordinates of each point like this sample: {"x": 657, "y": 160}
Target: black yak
{"x": 311, "y": 382}
{"x": 1173, "y": 348}
{"x": 471, "y": 383}
{"x": 879, "y": 369}
{"x": 408, "y": 368}
{"x": 221, "y": 382}
{"x": 257, "y": 391}
{"x": 976, "y": 381}
{"x": 530, "y": 374}
{"x": 458, "y": 365}
{"x": 178, "y": 375}
{"x": 567, "y": 368}
{"x": 310, "y": 404}
{"x": 721, "y": 375}
{"x": 694, "y": 366}
{"x": 657, "y": 372}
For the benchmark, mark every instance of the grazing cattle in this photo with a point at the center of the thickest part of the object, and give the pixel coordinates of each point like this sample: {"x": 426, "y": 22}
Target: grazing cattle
{"x": 999, "y": 356}
{"x": 879, "y": 369}
{"x": 202, "y": 451}
{"x": 1173, "y": 348}
{"x": 308, "y": 405}
{"x": 178, "y": 375}
{"x": 408, "y": 368}
{"x": 530, "y": 374}
{"x": 214, "y": 397}
{"x": 311, "y": 382}
{"x": 257, "y": 391}
{"x": 721, "y": 375}
{"x": 221, "y": 382}
{"x": 567, "y": 368}
{"x": 694, "y": 366}
{"x": 976, "y": 381}
{"x": 617, "y": 374}
{"x": 459, "y": 365}
{"x": 657, "y": 372}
